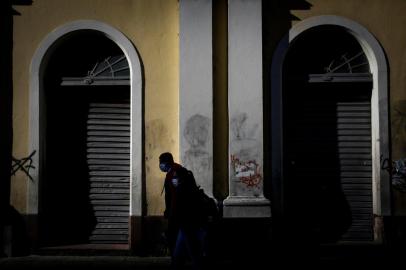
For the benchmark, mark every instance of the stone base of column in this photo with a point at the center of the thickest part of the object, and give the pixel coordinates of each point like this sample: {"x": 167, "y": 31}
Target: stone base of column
{"x": 246, "y": 207}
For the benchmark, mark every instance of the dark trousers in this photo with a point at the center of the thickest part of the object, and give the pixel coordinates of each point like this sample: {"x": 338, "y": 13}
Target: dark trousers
{"x": 190, "y": 243}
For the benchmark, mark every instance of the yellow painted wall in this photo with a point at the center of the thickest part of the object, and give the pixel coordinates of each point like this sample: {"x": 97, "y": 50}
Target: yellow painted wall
{"x": 152, "y": 26}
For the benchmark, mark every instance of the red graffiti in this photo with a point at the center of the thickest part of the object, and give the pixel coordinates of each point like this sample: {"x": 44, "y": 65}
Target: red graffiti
{"x": 247, "y": 172}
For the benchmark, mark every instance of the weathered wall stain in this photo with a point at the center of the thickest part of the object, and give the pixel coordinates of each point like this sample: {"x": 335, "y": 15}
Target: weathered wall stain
{"x": 196, "y": 131}
{"x": 158, "y": 140}
{"x": 239, "y": 127}
{"x": 245, "y": 156}
{"x": 197, "y": 158}
{"x": 157, "y": 137}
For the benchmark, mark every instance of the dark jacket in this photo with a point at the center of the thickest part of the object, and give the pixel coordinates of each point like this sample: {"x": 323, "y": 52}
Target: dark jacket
{"x": 182, "y": 207}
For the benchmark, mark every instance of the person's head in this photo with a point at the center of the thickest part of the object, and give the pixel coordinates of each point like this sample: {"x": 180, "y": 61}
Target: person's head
{"x": 165, "y": 161}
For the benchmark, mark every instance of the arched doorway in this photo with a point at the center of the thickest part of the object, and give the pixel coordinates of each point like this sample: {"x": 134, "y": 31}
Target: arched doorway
{"x": 327, "y": 77}
{"x": 86, "y": 126}
{"x": 327, "y": 136}
{"x": 87, "y": 100}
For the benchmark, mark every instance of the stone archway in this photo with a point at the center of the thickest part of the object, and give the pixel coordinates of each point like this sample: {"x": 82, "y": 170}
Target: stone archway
{"x": 36, "y": 139}
{"x": 379, "y": 108}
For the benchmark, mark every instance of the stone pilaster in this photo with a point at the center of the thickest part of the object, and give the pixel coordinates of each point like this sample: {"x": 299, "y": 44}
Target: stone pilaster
{"x": 245, "y": 104}
{"x": 196, "y": 90}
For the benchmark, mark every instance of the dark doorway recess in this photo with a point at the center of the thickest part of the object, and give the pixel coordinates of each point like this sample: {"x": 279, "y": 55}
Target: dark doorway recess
{"x": 327, "y": 170}
{"x": 84, "y": 193}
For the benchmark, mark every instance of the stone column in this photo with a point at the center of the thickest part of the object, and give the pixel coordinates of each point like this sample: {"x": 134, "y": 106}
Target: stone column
{"x": 196, "y": 90}
{"x": 245, "y": 103}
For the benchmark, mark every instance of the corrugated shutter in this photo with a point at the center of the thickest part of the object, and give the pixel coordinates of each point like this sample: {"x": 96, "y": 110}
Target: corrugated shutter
{"x": 108, "y": 158}
{"x": 354, "y": 148}
{"x": 327, "y": 151}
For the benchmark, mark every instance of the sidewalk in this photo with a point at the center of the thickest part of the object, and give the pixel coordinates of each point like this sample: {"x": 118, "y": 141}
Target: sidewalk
{"x": 81, "y": 262}
{"x": 101, "y": 262}
{"x": 332, "y": 257}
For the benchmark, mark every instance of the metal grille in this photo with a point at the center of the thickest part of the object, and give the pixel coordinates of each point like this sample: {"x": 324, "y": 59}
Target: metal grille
{"x": 108, "y": 159}
{"x": 114, "y": 70}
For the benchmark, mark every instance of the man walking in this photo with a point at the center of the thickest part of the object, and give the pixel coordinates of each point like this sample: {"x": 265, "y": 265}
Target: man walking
{"x": 185, "y": 220}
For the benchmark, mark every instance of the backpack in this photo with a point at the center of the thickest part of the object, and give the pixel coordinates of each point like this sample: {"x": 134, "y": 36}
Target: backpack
{"x": 206, "y": 205}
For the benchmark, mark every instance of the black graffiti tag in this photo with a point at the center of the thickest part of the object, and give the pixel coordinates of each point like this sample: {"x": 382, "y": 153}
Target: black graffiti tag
{"x": 24, "y": 164}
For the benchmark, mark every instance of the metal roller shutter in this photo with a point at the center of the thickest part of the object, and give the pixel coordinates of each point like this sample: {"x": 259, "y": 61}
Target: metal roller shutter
{"x": 354, "y": 151}
{"x": 108, "y": 159}
{"x": 328, "y": 170}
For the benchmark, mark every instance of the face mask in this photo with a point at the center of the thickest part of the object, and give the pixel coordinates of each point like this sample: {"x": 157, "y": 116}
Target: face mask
{"x": 164, "y": 167}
